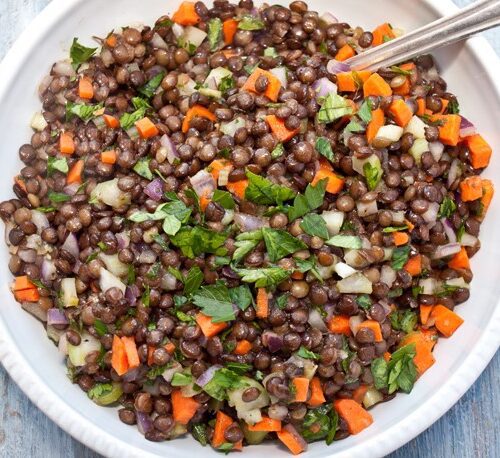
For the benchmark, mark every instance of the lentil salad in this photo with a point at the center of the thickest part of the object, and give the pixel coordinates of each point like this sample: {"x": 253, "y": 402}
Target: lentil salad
{"x": 324, "y": 152}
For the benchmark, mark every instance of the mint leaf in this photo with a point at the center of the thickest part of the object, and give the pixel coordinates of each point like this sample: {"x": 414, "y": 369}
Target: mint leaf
{"x": 198, "y": 240}
{"x": 226, "y": 84}
{"x": 193, "y": 281}
{"x": 314, "y": 225}
{"x": 379, "y": 372}
{"x": 59, "y": 164}
{"x": 224, "y": 198}
{"x": 245, "y": 243}
{"x": 263, "y": 192}
{"x": 79, "y": 53}
{"x": 334, "y": 107}
{"x": 309, "y": 201}
{"x": 354, "y": 126}
{"x": 447, "y": 208}
{"x": 271, "y": 52}
{"x": 278, "y": 151}
{"x": 303, "y": 352}
{"x": 365, "y": 111}
{"x": 345, "y": 241}
{"x": 214, "y": 33}
{"x": 81, "y": 110}
{"x": 215, "y": 301}
{"x": 141, "y": 167}
{"x": 400, "y": 256}
{"x": 372, "y": 175}
{"x": 388, "y": 230}
{"x": 324, "y": 148}
{"x": 364, "y": 301}
{"x": 149, "y": 89}
{"x": 180, "y": 379}
{"x": 241, "y": 296}
{"x": 263, "y": 278}
{"x": 57, "y": 197}
{"x": 100, "y": 328}
{"x": 280, "y": 243}
{"x": 248, "y": 22}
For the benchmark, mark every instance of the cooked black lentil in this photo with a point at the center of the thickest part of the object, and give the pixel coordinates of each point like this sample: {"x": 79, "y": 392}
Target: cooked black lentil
{"x": 244, "y": 239}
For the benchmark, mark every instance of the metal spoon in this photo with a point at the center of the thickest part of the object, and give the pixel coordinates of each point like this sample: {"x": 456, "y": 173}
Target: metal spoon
{"x": 475, "y": 18}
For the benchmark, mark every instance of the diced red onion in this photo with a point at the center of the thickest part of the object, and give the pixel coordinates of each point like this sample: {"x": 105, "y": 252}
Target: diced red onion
{"x": 204, "y": 378}
{"x": 35, "y": 309}
{"x": 328, "y": 19}
{"x": 132, "y": 293}
{"x": 454, "y": 172}
{"x": 154, "y": 189}
{"x": 153, "y": 389}
{"x": 203, "y": 183}
{"x": 330, "y": 311}
{"x": 71, "y": 245}
{"x": 123, "y": 240}
{"x": 324, "y": 86}
{"x": 147, "y": 257}
{"x": 40, "y": 220}
{"x": 57, "y": 317}
{"x": 385, "y": 305}
{"x": 436, "y": 149}
{"x": 249, "y": 222}
{"x": 71, "y": 189}
{"x": 449, "y": 230}
{"x": 272, "y": 341}
{"x": 468, "y": 240}
{"x": 158, "y": 42}
{"x": 48, "y": 270}
{"x": 430, "y": 216}
{"x": 134, "y": 374}
{"x": 169, "y": 282}
{"x": 316, "y": 321}
{"x": 298, "y": 438}
{"x": 144, "y": 422}
{"x": 170, "y": 149}
{"x": 334, "y": 66}
{"x": 63, "y": 68}
{"x": 443, "y": 251}
{"x": 77, "y": 266}
{"x": 354, "y": 322}
{"x": 27, "y": 255}
{"x": 466, "y": 128}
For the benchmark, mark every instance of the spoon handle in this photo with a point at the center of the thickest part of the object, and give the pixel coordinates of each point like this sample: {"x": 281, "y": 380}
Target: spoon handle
{"x": 475, "y": 18}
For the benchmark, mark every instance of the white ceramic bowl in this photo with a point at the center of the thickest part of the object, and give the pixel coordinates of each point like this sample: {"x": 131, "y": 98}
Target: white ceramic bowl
{"x": 33, "y": 361}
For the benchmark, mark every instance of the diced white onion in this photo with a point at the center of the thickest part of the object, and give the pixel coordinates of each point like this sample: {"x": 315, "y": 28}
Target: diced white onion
{"x": 428, "y": 285}
{"x": 366, "y": 208}
{"x": 224, "y": 176}
{"x": 110, "y": 194}
{"x": 468, "y": 240}
{"x": 436, "y": 149}
{"x": 280, "y": 73}
{"x": 343, "y": 270}
{"x": 218, "y": 74}
{"x": 38, "y": 122}
{"x": 387, "y": 275}
{"x": 228, "y": 217}
{"x": 68, "y": 290}
{"x": 230, "y": 128}
{"x": 334, "y": 220}
{"x": 416, "y": 127}
{"x": 355, "y": 284}
{"x": 107, "y": 281}
{"x": 419, "y": 147}
{"x": 431, "y": 214}
{"x": 193, "y": 35}
{"x": 354, "y": 322}
{"x": 387, "y": 135}
{"x": 458, "y": 282}
{"x": 372, "y": 397}
{"x": 113, "y": 264}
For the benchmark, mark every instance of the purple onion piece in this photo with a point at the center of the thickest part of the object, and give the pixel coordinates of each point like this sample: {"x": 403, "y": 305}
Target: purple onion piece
{"x": 203, "y": 183}
{"x": 249, "y": 222}
{"x": 272, "y": 341}
{"x": 170, "y": 149}
{"x": 76, "y": 267}
{"x": 144, "y": 422}
{"x": 466, "y": 128}
{"x": 147, "y": 257}
{"x": 122, "y": 240}
{"x": 57, "y": 317}
{"x": 154, "y": 189}
{"x": 27, "y": 255}
{"x": 454, "y": 172}
{"x": 204, "y": 378}
{"x": 444, "y": 251}
{"x": 324, "y": 86}
{"x": 449, "y": 230}
{"x": 48, "y": 270}
{"x": 71, "y": 189}
{"x": 334, "y": 66}
{"x": 131, "y": 294}
{"x": 71, "y": 245}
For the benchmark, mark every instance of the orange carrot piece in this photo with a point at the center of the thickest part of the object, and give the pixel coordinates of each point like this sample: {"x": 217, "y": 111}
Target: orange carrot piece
{"x": 376, "y": 85}
{"x": 279, "y": 129}
{"x": 460, "y": 260}
{"x": 480, "y": 151}
{"x": 449, "y": 132}
{"x": 414, "y": 265}
{"x": 471, "y": 188}
{"x": 488, "y": 192}
{"x": 359, "y": 393}
{"x": 317, "y": 396}
{"x": 446, "y": 321}
{"x": 27, "y": 295}
{"x": 377, "y": 121}
{"x": 292, "y": 442}
{"x": 196, "y": 111}
{"x": 170, "y": 347}
{"x": 339, "y": 324}
{"x": 109, "y": 157}
{"x": 354, "y": 415}
{"x": 404, "y": 89}
{"x": 301, "y": 385}
{"x": 266, "y": 425}
{"x": 146, "y": 128}
{"x": 423, "y": 358}
{"x": 222, "y": 422}
{"x": 238, "y": 188}
{"x": 420, "y": 106}
{"x": 111, "y": 121}
{"x": 229, "y": 28}
{"x": 425, "y": 313}
{"x": 400, "y": 112}
{"x": 387, "y": 356}
{"x": 75, "y": 173}
{"x": 183, "y": 408}
{"x": 204, "y": 201}
{"x": 111, "y": 40}
{"x": 217, "y": 165}
{"x": 20, "y": 182}
{"x": 444, "y": 105}
{"x": 150, "y": 360}
{"x": 186, "y": 14}
{"x": 208, "y": 328}
{"x": 119, "y": 361}
{"x": 400, "y": 238}
{"x": 273, "y": 87}
{"x": 334, "y": 185}
{"x": 349, "y": 81}
{"x": 131, "y": 351}
{"x": 297, "y": 275}
{"x": 262, "y": 303}
{"x": 374, "y": 326}
{"x": 344, "y": 53}
{"x": 242, "y": 347}
{"x": 23, "y": 282}
{"x": 66, "y": 143}
{"x": 382, "y": 34}
{"x": 85, "y": 88}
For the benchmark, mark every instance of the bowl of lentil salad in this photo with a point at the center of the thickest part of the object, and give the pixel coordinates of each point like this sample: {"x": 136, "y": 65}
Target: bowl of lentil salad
{"x": 301, "y": 400}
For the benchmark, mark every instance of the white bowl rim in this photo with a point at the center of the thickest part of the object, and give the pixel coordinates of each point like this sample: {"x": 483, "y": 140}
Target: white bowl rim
{"x": 102, "y": 442}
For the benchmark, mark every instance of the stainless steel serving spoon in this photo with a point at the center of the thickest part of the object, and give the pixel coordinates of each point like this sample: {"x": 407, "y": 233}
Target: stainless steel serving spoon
{"x": 479, "y": 16}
